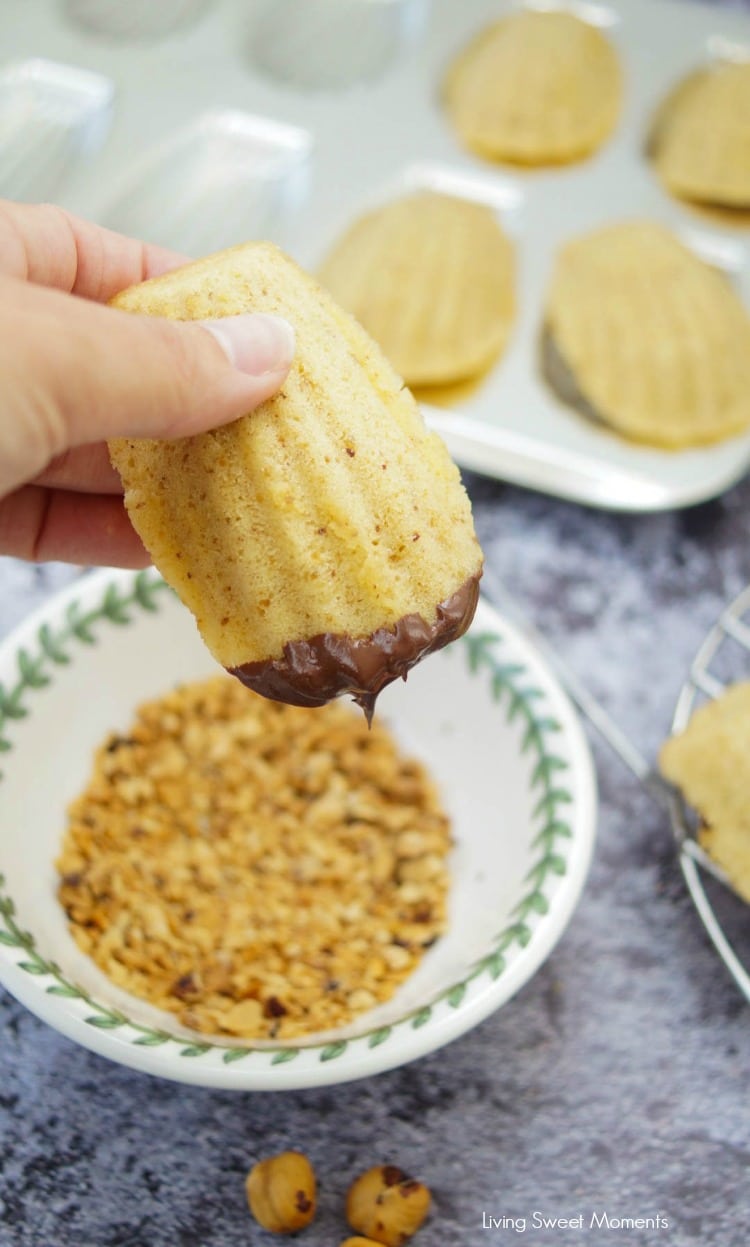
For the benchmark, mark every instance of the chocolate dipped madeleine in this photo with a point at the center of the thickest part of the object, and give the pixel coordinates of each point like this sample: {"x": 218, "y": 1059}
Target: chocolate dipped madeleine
{"x": 324, "y": 542}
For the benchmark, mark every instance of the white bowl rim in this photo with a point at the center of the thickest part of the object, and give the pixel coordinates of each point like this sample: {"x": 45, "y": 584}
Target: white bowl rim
{"x": 41, "y": 987}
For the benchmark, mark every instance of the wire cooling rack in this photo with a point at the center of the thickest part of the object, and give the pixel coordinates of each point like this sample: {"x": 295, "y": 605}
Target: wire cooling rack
{"x": 722, "y": 658}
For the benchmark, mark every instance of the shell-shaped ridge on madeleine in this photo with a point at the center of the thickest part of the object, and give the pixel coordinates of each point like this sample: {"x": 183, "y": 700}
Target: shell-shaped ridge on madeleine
{"x": 329, "y": 509}
{"x": 431, "y": 277}
{"x": 657, "y": 340}
{"x": 535, "y": 88}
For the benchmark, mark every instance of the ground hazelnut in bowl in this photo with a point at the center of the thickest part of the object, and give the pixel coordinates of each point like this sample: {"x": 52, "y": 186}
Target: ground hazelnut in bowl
{"x": 454, "y": 840}
{"x": 255, "y": 869}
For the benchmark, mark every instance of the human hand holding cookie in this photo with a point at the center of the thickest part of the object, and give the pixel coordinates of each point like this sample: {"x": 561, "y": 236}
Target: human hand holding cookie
{"x": 76, "y": 373}
{"x": 323, "y": 539}
{"x": 325, "y": 542}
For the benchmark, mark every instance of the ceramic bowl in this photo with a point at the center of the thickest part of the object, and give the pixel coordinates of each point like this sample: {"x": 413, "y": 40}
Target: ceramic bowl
{"x": 485, "y": 715}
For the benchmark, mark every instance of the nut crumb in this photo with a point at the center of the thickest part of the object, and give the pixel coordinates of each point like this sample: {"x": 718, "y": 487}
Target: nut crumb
{"x": 258, "y": 870}
{"x": 281, "y": 1192}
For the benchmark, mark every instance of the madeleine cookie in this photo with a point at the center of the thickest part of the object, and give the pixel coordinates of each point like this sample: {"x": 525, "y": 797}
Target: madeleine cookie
{"x": 657, "y": 341}
{"x": 431, "y": 278}
{"x": 324, "y": 542}
{"x": 700, "y": 142}
{"x": 710, "y": 763}
{"x": 535, "y": 88}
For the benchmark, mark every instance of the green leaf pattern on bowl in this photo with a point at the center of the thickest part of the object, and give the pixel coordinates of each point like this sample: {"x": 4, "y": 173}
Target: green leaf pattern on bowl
{"x": 510, "y": 688}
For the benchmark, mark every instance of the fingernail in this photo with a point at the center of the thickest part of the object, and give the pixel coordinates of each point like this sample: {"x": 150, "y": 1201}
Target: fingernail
{"x": 256, "y": 344}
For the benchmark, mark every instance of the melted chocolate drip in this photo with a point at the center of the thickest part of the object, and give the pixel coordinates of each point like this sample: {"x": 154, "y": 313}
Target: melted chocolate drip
{"x": 313, "y": 672}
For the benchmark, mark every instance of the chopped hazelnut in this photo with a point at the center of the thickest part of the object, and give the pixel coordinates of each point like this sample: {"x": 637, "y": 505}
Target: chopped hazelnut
{"x": 358, "y": 1241}
{"x": 281, "y": 1192}
{"x": 386, "y": 1205}
{"x": 248, "y": 866}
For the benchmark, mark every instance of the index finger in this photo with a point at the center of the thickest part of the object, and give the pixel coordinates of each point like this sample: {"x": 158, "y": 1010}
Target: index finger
{"x": 44, "y": 244}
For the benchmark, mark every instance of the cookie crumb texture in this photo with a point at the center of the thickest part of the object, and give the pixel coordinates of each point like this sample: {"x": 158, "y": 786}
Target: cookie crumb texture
{"x": 710, "y": 763}
{"x": 330, "y": 509}
{"x": 657, "y": 340}
{"x": 431, "y": 277}
{"x": 535, "y": 88}
{"x": 258, "y": 870}
{"x": 699, "y": 140}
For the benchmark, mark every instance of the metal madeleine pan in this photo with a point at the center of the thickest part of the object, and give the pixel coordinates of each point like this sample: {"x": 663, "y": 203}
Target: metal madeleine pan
{"x": 223, "y": 179}
{"x": 52, "y": 116}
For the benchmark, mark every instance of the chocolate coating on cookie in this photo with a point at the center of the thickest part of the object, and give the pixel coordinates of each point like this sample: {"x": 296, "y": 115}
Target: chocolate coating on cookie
{"x": 315, "y": 671}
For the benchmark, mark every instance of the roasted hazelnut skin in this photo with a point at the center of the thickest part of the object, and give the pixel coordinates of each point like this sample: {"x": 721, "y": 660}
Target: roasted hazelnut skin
{"x": 386, "y": 1205}
{"x": 281, "y": 1192}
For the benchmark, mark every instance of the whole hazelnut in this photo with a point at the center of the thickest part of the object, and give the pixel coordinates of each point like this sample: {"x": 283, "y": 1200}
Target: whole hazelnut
{"x": 281, "y": 1192}
{"x": 386, "y": 1205}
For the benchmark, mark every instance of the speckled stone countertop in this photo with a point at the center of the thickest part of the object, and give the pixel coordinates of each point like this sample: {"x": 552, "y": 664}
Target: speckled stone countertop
{"x": 616, "y": 1081}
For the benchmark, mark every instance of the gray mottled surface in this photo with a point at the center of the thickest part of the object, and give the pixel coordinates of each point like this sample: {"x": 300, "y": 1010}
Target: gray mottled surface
{"x": 617, "y": 1080}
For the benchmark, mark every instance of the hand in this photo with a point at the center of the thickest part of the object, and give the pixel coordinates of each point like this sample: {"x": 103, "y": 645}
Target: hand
{"x": 74, "y": 373}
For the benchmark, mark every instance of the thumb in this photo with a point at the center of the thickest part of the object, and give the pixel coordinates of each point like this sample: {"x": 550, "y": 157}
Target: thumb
{"x": 77, "y": 372}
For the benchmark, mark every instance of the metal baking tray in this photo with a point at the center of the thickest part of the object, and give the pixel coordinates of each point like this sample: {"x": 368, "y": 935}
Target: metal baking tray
{"x": 225, "y": 177}
{"x": 51, "y": 116}
{"x": 386, "y": 129}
